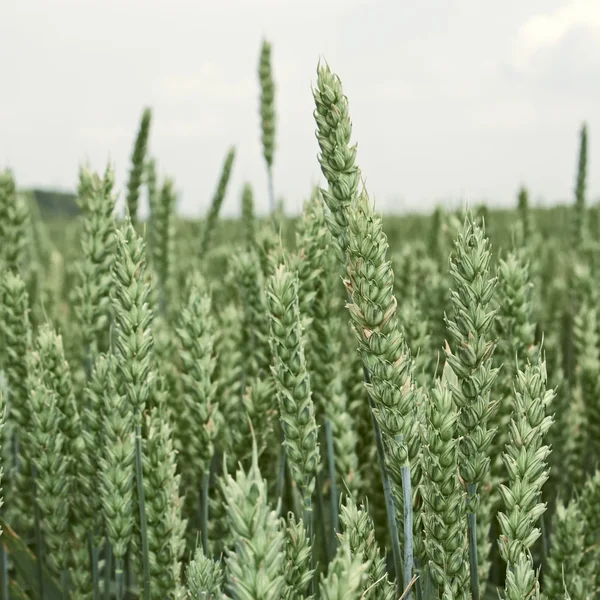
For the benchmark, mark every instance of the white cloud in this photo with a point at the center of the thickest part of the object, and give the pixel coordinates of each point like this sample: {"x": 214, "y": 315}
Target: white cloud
{"x": 542, "y": 31}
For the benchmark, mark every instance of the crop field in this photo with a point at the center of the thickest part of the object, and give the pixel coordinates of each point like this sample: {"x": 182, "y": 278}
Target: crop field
{"x": 338, "y": 406}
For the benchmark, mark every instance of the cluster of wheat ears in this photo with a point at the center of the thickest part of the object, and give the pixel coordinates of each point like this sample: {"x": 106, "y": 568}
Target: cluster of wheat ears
{"x": 292, "y": 408}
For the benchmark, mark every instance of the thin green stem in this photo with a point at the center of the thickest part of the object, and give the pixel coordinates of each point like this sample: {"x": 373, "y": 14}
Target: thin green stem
{"x": 108, "y": 570}
{"x": 429, "y": 587}
{"x": 418, "y": 585}
{"x": 39, "y": 544}
{"x": 94, "y": 562}
{"x": 129, "y": 574}
{"x": 282, "y": 469}
{"x": 408, "y": 529}
{"x": 204, "y": 511}
{"x": 4, "y": 572}
{"x": 333, "y": 492}
{"x": 472, "y": 531}
{"x": 545, "y": 540}
{"x": 271, "y": 191}
{"x": 64, "y": 583}
{"x": 119, "y": 587}
{"x": 142, "y": 508}
{"x": 389, "y": 498}
{"x": 321, "y": 519}
{"x": 308, "y": 523}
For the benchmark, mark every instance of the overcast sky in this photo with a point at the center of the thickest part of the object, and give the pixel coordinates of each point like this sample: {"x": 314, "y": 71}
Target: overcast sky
{"x": 450, "y": 99}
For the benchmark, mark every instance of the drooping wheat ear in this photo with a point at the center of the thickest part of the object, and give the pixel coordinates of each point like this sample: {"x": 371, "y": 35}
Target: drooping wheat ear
{"x": 16, "y": 335}
{"x": 346, "y": 576}
{"x": 566, "y": 573}
{"x": 359, "y": 534}
{"x": 337, "y": 157}
{"x": 196, "y": 426}
{"x": 522, "y": 582}
{"x": 91, "y": 298}
{"x": 297, "y": 567}
{"x": 255, "y": 564}
{"x": 381, "y": 345}
{"x": 293, "y": 385}
{"x": 204, "y": 577}
{"x": 587, "y": 378}
{"x": 166, "y": 527}
{"x": 470, "y": 329}
{"x": 14, "y": 223}
{"x": 217, "y": 201}
{"x": 117, "y": 469}
{"x": 267, "y": 114}
{"x": 136, "y": 172}
{"x": 579, "y": 211}
{"x": 525, "y": 460}
{"x": 442, "y": 493}
{"x": 162, "y": 245}
{"x": 248, "y": 217}
{"x": 249, "y": 281}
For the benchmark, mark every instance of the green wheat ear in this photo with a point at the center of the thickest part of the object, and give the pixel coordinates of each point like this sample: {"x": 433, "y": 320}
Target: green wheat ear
{"x": 298, "y": 556}
{"x": 293, "y": 384}
{"x": 522, "y": 581}
{"x": 255, "y": 563}
{"x": 204, "y": 577}
{"x": 579, "y": 214}
{"x": 137, "y": 166}
{"x": 267, "y": 114}
{"x": 346, "y": 576}
{"x": 217, "y": 201}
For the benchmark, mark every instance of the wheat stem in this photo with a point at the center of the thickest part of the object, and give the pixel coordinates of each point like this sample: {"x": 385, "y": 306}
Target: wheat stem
{"x": 119, "y": 577}
{"x": 142, "y": 508}
{"x": 472, "y": 529}
{"x": 94, "y": 561}
{"x": 108, "y": 567}
{"x": 204, "y": 511}
{"x": 39, "y": 544}
{"x": 387, "y": 492}
{"x": 333, "y": 492}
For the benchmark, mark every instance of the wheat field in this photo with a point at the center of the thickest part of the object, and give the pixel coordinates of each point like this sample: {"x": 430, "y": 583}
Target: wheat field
{"x": 340, "y": 406}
